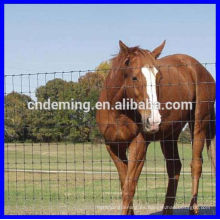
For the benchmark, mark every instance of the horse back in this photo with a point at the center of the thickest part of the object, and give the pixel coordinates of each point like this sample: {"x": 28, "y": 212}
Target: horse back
{"x": 183, "y": 79}
{"x": 182, "y": 76}
{"x": 186, "y": 66}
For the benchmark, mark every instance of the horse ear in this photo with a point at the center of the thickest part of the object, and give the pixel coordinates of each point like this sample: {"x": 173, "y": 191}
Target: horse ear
{"x": 123, "y": 47}
{"x": 157, "y": 51}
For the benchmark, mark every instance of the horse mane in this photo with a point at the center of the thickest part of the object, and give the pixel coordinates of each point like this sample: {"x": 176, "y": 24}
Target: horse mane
{"x": 131, "y": 51}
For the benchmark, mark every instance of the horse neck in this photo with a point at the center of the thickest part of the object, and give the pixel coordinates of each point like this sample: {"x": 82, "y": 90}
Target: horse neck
{"x": 113, "y": 87}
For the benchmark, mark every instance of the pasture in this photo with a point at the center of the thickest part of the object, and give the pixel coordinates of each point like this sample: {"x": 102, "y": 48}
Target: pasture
{"x": 66, "y": 178}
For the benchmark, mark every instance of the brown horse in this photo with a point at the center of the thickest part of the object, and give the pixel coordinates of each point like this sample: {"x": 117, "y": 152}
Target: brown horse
{"x": 138, "y": 74}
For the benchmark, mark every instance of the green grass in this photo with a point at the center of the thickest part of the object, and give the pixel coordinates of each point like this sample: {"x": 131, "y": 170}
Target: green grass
{"x": 97, "y": 191}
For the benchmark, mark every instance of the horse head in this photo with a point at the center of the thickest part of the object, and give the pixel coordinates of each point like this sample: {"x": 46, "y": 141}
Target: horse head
{"x": 138, "y": 68}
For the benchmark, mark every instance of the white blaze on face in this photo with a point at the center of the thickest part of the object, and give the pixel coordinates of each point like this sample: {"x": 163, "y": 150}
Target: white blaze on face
{"x": 150, "y": 76}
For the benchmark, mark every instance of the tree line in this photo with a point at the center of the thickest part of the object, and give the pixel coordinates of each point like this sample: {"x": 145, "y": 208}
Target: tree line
{"x": 25, "y": 125}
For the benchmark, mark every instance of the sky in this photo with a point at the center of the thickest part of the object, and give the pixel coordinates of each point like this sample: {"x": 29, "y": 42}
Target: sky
{"x": 48, "y": 38}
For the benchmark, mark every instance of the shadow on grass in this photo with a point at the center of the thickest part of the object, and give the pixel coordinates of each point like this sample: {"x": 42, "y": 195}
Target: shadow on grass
{"x": 211, "y": 210}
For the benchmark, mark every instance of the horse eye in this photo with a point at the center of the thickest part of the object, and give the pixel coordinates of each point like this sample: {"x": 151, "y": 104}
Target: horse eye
{"x": 134, "y": 78}
{"x": 127, "y": 62}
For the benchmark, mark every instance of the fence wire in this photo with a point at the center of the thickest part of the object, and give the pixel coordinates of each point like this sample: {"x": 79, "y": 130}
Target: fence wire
{"x": 56, "y": 162}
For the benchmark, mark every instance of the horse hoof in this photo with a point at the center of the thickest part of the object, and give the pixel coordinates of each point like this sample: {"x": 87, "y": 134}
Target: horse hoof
{"x": 194, "y": 209}
{"x": 131, "y": 212}
{"x": 167, "y": 211}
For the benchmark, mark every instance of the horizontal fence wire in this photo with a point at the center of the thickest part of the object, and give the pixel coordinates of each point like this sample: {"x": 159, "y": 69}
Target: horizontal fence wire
{"x": 56, "y": 162}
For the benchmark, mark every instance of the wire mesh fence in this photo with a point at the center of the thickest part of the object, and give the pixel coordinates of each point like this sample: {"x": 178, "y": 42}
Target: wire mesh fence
{"x": 56, "y": 162}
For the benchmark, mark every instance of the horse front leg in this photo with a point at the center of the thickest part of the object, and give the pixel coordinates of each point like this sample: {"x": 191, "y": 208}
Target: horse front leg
{"x": 137, "y": 153}
{"x": 118, "y": 135}
{"x": 119, "y": 157}
{"x": 173, "y": 165}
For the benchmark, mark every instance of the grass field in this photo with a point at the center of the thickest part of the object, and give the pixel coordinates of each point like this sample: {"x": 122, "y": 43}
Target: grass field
{"x": 82, "y": 179}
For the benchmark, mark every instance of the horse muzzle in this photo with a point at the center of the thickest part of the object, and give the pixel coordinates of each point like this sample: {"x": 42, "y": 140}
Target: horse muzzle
{"x": 151, "y": 124}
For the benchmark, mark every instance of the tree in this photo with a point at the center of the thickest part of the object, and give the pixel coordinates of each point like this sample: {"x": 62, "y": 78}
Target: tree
{"x": 53, "y": 125}
{"x": 17, "y": 117}
{"x": 75, "y": 125}
{"x": 91, "y": 85}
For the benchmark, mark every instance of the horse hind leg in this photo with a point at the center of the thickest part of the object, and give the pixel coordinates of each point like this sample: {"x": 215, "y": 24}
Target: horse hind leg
{"x": 211, "y": 145}
{"x": 196, "y": 163}
{"x": 211, "y": 140}
{"x": 119, "y": 157}
{"x": 173, "y": 164}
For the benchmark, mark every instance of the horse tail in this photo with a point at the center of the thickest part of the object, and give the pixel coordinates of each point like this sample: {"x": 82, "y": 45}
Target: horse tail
{"x": 211, "y": 140}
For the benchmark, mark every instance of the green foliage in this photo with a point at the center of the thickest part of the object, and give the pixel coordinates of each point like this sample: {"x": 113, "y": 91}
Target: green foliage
{"x": 22, "y": 124}
{"x": 17, "y": 117}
